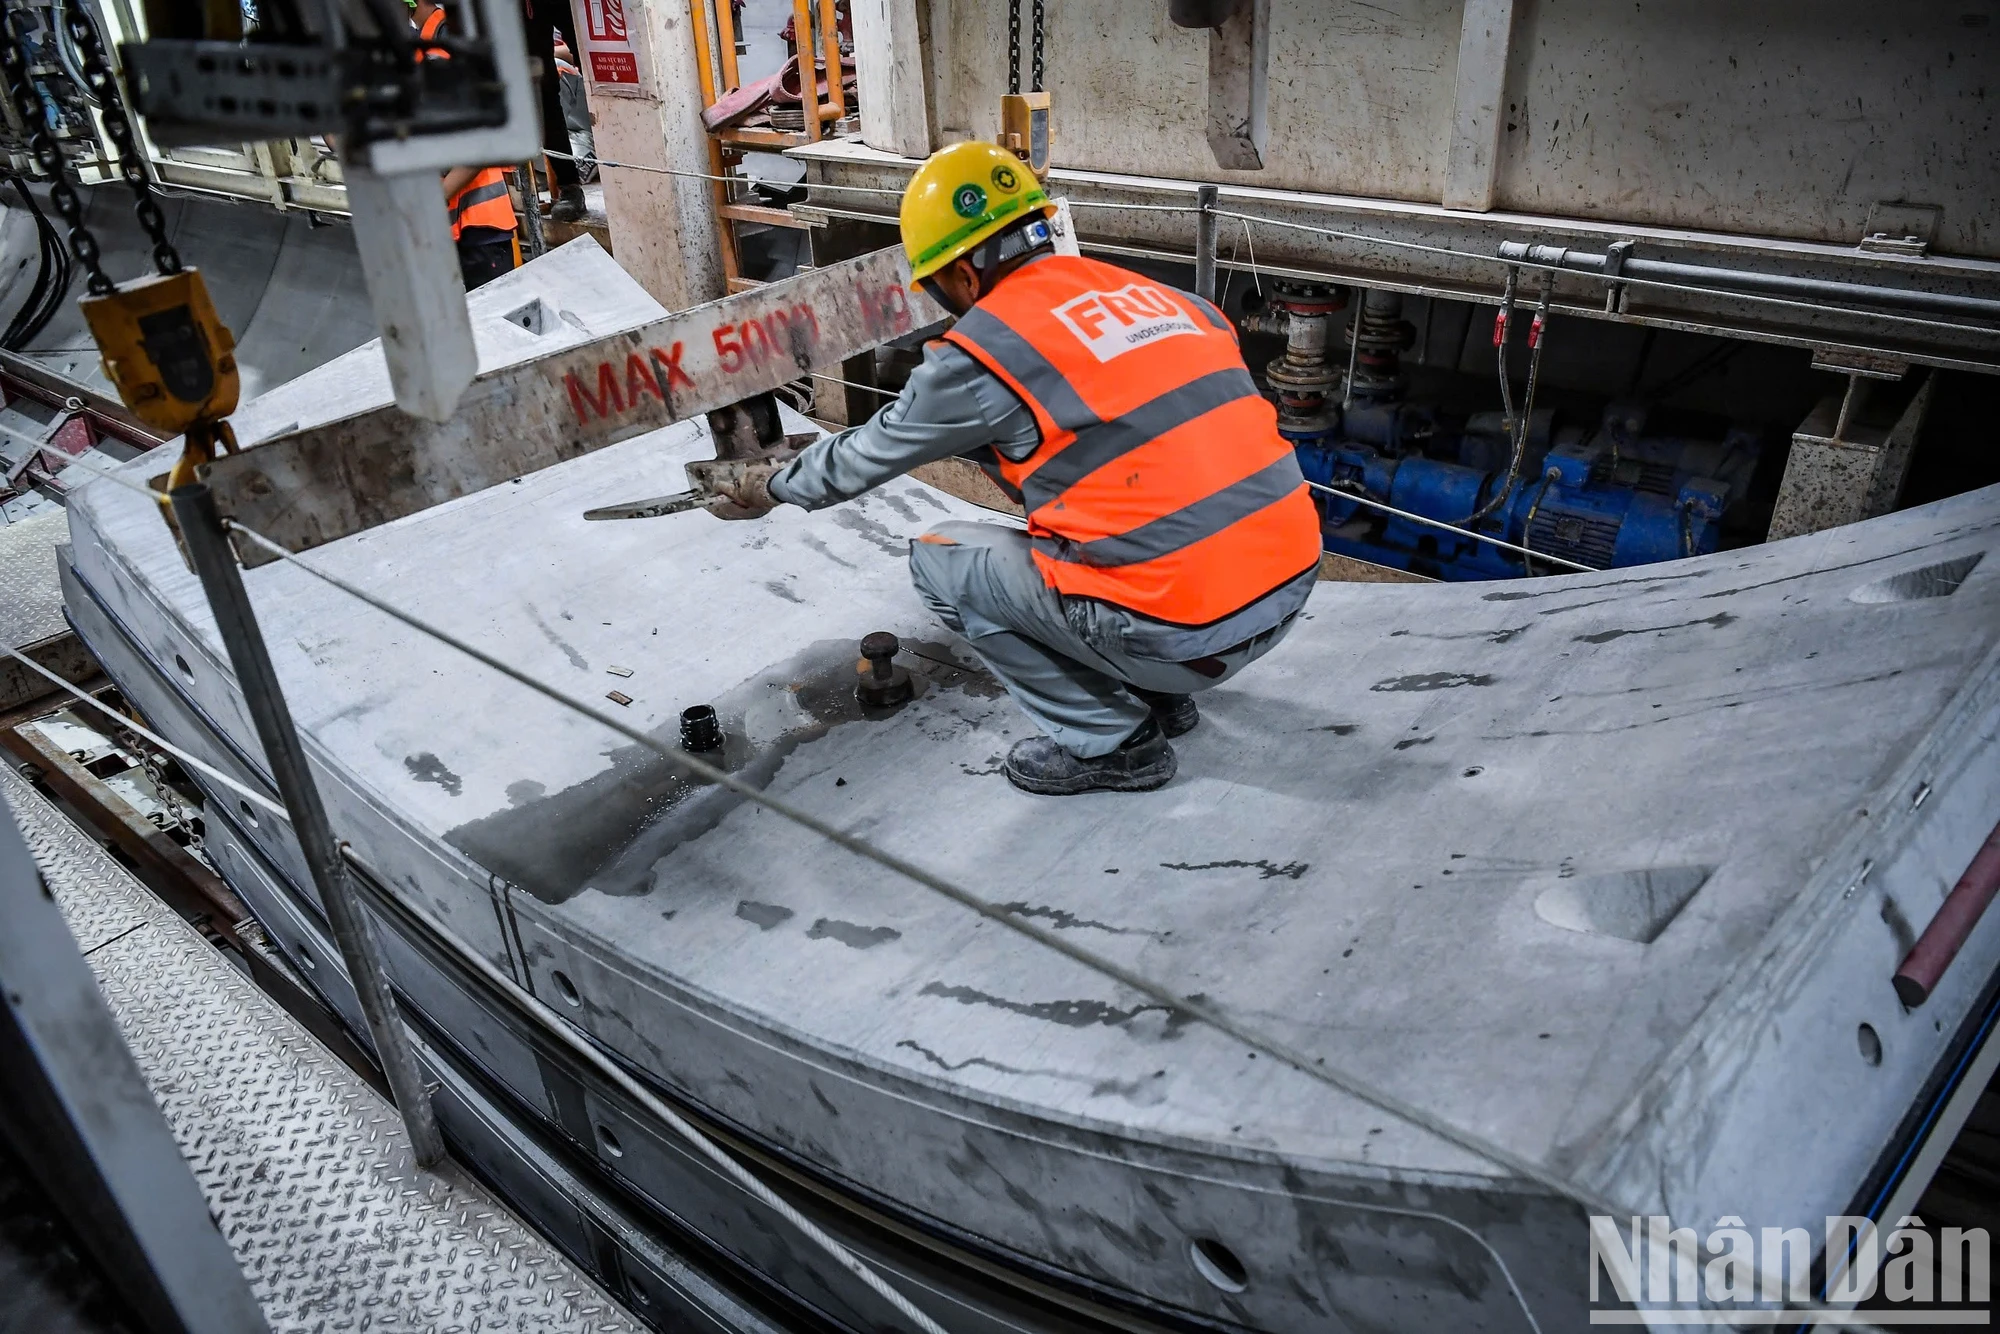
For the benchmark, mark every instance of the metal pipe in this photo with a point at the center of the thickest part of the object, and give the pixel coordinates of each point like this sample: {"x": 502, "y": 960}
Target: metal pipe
{"x": 1204, "y": 243}
{"x": 1781, "y": 284}
{"x": 1960, "y": 912}
{"x": 215, "y": 564}
{"x": 532, "y": 223}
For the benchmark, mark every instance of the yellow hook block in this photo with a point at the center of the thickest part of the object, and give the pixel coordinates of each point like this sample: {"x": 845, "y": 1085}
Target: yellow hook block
{"x": 168, "y": 352}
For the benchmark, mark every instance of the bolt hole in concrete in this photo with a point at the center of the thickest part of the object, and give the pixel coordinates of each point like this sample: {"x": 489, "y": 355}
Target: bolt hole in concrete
{"x": 248, "y": 812}
{"x": 535, "y": 317}
{"x": 610, "y": 1142}
{"x": 1871, "y": 1044}
{"x": 182, "y": 663}
{"x": 1474, "y": 772}
{"x": 1932, "y": 581}
{"x": 1630, "y": 905}
{"x": 1218, "y": 1264}
{"x": 566, "y": 988}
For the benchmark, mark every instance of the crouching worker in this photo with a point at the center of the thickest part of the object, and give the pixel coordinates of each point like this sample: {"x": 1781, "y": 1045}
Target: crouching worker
{"x": 1170, "y": 539}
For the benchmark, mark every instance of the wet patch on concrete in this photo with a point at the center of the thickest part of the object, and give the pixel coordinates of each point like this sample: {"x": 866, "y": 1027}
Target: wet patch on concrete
{"x": 1068, "y": 1013}
{"x": 1410, "y": 741}
{"x": 763, "y": 916}
{"x": 783, "y": 590}
{"x": 1490, "y": 636}
{"x": 1266, "y": 868}
{"x": 428, "y": 768}
{"x": 851, "y": 934}
{"x": 608, "y": 831}
{"x": 1718, "y": 620}
{"x": 1340, "y": 729}
{"x": 902, "y": 507}
{"x": 1063, "y": 920}
{"x": 815, "y": 544}
{"x": 1146, "y": 1091}
{"x": 1433, "y": 681}
{"x": 868, "y": 530}
{"x": 576, "y": 659}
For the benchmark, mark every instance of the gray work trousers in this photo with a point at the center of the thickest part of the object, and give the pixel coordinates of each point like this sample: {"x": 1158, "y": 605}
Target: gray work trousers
{"x": 1063, "y": 660}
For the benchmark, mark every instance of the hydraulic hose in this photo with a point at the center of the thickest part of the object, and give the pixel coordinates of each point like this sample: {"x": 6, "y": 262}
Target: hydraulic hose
{"x": 1519, "y": 423}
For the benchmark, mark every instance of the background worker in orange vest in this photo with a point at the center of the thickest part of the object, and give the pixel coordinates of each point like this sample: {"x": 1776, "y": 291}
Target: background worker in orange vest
{"x": 1170, "y": 539}
{"x": 482, "y": 214}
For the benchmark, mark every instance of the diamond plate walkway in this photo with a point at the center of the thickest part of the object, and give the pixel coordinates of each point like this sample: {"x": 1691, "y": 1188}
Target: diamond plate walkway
{"x": 304, "y": 1165}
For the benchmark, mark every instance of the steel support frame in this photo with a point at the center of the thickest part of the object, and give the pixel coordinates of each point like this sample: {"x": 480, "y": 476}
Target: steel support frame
{"x": 208, "y": 548}
{"x": 1463, "y": 261}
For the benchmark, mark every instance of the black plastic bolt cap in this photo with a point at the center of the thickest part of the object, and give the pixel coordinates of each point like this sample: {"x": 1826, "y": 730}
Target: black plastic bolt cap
{"x": 700, "y": 731}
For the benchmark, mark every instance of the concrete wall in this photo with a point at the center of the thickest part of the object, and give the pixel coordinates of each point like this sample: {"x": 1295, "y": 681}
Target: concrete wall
{"x": 1787, "y": 118}
{"x": 1360, "y": 92}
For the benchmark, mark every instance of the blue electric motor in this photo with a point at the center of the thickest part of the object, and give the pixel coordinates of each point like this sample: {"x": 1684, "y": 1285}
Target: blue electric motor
{"x": 1611, "y": 497}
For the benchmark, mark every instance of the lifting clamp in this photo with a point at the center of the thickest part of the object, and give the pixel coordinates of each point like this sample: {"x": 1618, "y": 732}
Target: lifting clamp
{"x": 746, "y": 432}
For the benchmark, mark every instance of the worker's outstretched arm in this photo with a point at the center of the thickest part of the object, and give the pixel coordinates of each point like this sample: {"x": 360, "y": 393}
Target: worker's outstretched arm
{"x": 951, "y": 405}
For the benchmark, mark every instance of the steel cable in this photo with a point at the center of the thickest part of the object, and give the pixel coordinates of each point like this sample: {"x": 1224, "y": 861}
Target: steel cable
{"x": 1314, "y": 1068}
{"x": 193, "y": 762}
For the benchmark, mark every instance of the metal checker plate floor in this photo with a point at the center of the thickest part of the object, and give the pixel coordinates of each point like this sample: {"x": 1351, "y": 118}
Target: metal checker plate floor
{"x": 305, "y": 1166}
{"x": 30, "y": 592}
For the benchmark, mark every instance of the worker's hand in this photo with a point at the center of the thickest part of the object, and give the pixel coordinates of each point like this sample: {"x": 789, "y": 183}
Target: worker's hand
{"x": 741, "y": 486}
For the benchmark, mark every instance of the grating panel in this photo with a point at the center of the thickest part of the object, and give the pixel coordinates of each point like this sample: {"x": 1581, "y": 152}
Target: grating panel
{"x": 305, "y": 1167}
{"x": 30, "y": 596}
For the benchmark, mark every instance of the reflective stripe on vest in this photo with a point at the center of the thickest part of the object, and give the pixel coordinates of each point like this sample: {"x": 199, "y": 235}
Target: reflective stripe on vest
{"x": 483, "y": 203}
{"x": 1161, "y": 483}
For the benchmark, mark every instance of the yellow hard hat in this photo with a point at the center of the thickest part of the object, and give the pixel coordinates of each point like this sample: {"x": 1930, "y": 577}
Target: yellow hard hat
{"x": 963, "y": 194}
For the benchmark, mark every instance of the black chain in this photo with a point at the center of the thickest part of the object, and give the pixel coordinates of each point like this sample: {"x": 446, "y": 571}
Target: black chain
{"x": 1038, "y": 47}
{"x": 14, "y": 61}
{"x": 1013, "y": 46}
{"x": 104, "y": 85}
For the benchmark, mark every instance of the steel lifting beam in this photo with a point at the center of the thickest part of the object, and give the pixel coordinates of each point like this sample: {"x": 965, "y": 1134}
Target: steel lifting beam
{"x": 315, "y": 486}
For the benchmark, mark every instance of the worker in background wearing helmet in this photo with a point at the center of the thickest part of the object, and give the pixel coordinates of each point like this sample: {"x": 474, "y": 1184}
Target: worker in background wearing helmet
{"x": 475, "y": 198}
{"x": 1170, "y": 538}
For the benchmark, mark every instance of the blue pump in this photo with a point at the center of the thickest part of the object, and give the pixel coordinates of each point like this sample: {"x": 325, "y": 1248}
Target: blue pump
{"x": 1607, "y": 498}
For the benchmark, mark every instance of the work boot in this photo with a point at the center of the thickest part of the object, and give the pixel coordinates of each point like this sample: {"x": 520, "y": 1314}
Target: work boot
{"x": 569, "y": 205}
{"x": 1141, "y": 763}
{"x": 1176, "y": 714}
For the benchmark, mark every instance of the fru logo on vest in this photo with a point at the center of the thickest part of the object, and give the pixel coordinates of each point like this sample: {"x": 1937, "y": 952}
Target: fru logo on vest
{"x": 1735, "y": 1278}
{"x": 1111, "y": 324}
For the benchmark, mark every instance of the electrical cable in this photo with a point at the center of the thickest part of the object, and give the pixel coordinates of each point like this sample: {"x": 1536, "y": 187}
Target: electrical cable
{"x": 15, "y": 336}
{"x": 193, "y": 762}
{"x": 1528, "y": 527}
{"x": 52, "y": 278}
{"x": 1537, "y": 337}
{"x": 1503, "y": 320}
{"x": 65, "y": 49}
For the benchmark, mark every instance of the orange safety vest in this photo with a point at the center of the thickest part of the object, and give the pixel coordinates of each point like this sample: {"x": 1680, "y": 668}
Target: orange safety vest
{"x": 429, "y": 31}
{"x": 1161, "y": 483}
{"x": 484, "y": 201}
